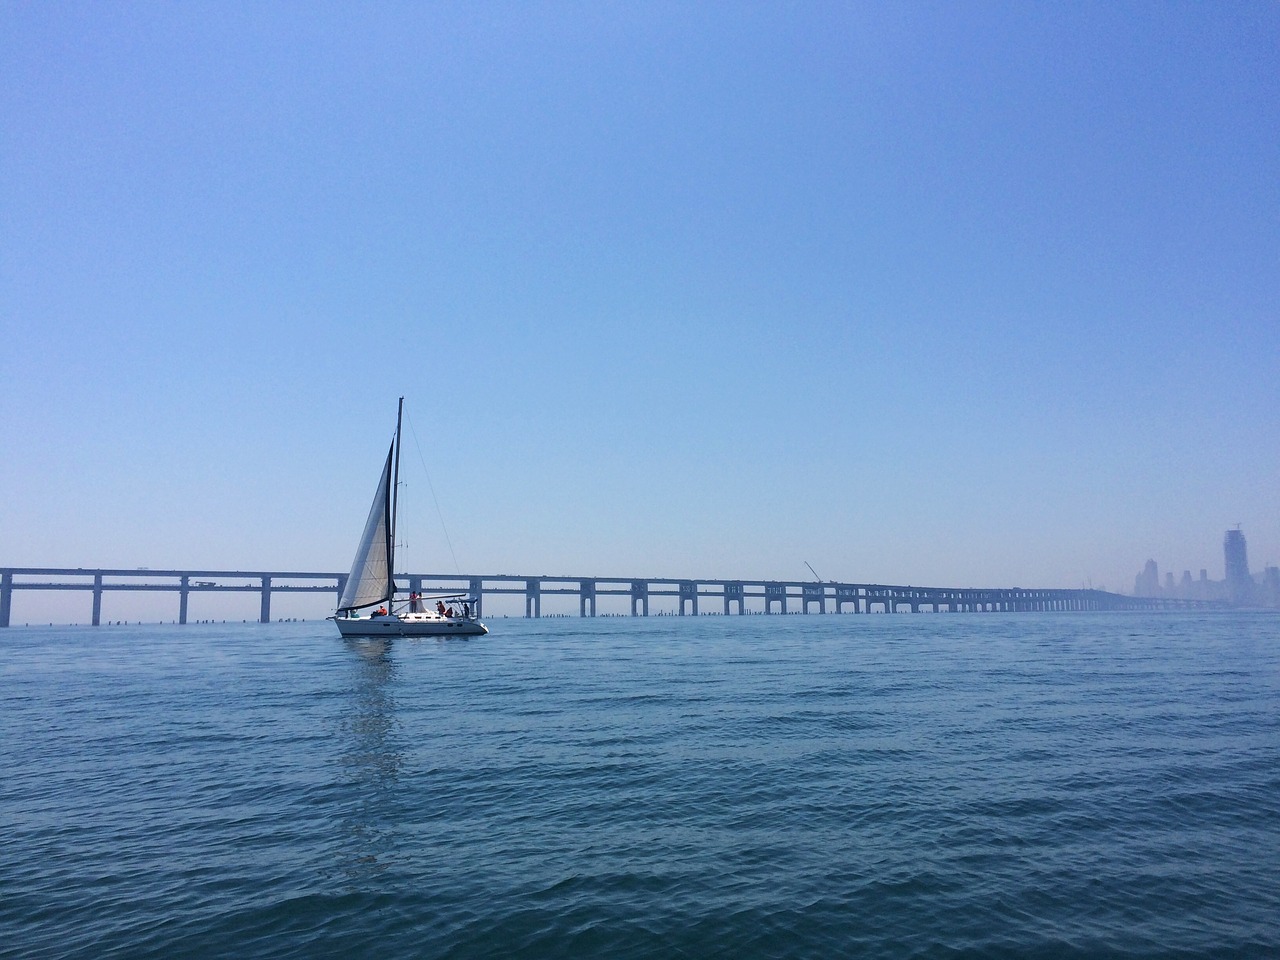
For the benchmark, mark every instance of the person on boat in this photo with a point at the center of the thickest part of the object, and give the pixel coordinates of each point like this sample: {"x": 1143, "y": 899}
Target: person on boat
{"x": 381, "y": 612}
{"x": 414, "y": 605}
{"x": 440, "y": 607}
{"x": 466, "y": 609}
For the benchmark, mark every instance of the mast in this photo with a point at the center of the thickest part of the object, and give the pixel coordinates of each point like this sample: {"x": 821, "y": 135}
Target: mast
{"x": 395, "y": 497}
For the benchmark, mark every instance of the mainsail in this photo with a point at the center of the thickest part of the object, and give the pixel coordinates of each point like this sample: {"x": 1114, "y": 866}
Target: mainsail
{"x": 370, "y": 579}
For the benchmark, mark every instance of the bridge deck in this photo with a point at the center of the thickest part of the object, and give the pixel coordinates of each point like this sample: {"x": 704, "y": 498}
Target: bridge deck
{"x": 858, "y": 597}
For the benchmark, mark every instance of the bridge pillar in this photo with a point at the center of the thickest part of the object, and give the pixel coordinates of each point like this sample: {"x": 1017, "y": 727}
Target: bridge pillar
{"x": 533, "y": 598}
{"x": 476, "y": 590}
{"x": 183, "y": 592}
{"x": 813, "y": 593}
{"x": 689, "y": 594}
{"x": 264, "y": 615}
{"x": 97, "y": 599}
{"x": 775, "y": 592}
{"x": 733, "y": 594}
{"x": 846, "y": 595}
{"x": 586, "y": 597}
{"x": 6, "y": 597}
{"x": 640, "y": 595}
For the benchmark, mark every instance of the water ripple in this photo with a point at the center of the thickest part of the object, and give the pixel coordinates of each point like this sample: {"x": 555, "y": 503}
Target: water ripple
{"x": 1073, "y": 786}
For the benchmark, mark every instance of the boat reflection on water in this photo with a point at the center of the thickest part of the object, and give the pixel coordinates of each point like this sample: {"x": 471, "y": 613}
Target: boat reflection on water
{"x": 370, "y": 760}
{"x": 376, "y": 649}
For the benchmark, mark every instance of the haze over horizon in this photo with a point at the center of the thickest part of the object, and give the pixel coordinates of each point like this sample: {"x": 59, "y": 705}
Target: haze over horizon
{"x": 973, "y": 294}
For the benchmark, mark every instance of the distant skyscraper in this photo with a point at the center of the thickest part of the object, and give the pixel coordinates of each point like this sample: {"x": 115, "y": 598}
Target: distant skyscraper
{"x": 1271, "y": 586}
{"x": 1147, "y": 583}
{"x": 1236, "y": 555}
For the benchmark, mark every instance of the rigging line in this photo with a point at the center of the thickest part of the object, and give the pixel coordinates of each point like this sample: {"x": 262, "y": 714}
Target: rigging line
{"x": 431, "y": 487}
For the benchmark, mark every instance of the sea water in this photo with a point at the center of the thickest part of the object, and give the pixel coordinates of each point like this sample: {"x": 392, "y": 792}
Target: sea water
{"x": 946, "y": 785}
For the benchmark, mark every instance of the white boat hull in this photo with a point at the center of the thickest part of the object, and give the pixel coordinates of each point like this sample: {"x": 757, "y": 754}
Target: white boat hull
{"x": 410, "y": 625}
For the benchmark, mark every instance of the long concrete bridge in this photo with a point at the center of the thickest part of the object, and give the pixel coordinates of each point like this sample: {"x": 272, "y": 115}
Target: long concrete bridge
{"x": 727, "y": 596}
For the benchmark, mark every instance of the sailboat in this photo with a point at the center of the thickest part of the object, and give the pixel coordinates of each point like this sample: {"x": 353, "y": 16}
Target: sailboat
{"x": 371, "y": 585}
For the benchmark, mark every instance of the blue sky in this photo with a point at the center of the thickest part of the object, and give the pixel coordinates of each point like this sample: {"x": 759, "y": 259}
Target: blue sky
{"x": 956, "y": 293}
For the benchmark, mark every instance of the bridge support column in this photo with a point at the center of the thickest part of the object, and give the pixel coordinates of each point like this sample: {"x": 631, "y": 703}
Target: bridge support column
{"x": 97, "y": 599}
{"x": 264, "y": 616}
{"x": 733, "y": 594}
{"x": 586, "y": 597}
{"x": 813, "y": 594}
{"x": 846, "y": 595}
{"x": 775, "y": 593}
{"x": 688, "y": 593}
{"x": 477, "y": 591}
{"x": 533, "y": 598}
{"x": 6, "y": 597}
{"x": 183, "y": 592}
{"x": 640, "y": 595}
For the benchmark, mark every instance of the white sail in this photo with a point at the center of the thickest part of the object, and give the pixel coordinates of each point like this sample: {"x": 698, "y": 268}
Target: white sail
{"x": 370, "y": 579}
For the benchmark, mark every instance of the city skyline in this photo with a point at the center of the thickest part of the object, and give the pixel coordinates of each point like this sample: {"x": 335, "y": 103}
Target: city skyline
{"x": 1238, "y": 586}
{"x": 936, "y": 294}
